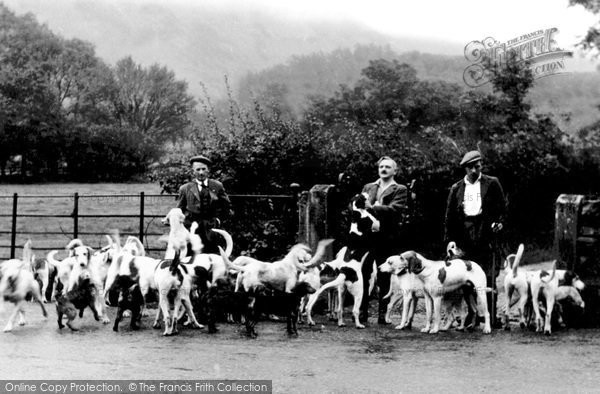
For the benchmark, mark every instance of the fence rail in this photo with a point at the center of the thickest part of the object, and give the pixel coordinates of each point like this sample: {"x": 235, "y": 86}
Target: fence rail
{"x": 145, "y": 206}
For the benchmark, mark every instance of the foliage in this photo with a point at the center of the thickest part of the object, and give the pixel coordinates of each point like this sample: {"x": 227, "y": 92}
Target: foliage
{"x": 65, "y": 113}
{"x": 591, "y": 41}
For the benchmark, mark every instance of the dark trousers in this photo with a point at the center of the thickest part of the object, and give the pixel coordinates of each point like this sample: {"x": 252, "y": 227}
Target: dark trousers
{"x": 379, "y": 254}
{"x": 475, "y": 241}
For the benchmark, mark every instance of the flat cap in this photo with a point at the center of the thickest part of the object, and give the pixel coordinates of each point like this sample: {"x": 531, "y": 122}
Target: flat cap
{"x": 470, "y": 157}
{"x": 200, "y": 159}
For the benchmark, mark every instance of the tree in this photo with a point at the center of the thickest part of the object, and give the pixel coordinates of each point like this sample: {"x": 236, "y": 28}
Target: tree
{"x": 591, "y": 41}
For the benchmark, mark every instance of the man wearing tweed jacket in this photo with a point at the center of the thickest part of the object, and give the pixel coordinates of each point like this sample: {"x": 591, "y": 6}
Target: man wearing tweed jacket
{"x": 387, "y": 200}
{"x": 205, "y": 201}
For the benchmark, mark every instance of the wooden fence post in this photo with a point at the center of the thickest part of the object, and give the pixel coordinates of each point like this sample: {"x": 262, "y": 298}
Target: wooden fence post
{"x": 13, "y": 234}
{"x": 142, "y": 217}
{"x": 75, "y": 215}
{"x": 314, "y": 212}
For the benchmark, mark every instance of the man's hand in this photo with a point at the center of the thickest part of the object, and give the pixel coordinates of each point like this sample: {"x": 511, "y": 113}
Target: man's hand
{"x": 497, "y": 227}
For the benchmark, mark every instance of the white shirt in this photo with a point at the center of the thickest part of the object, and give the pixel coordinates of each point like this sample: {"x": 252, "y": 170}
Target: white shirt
{"x": 381, "y": 189}
{"x": 202, "y": 184}
{"x": 472, "y": 198}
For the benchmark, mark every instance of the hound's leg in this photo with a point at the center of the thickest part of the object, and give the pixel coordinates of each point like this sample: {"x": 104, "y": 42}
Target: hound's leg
{"x": 535, "y": 297}
{"x": 483, "y": 310}
{"x": 509, "y": 292}
{"x": 549, "y": 307}
{"x": 406, "y": 307}
{"x": 437, "y": 314}
{"x": 428, "y": 312}
{"x": 340, "y": 308}
{"x": 522, "y": 302}
{"x": 13, "y": 316}
{"x": 187, "y": 304}
{"x": 357, "y": 293}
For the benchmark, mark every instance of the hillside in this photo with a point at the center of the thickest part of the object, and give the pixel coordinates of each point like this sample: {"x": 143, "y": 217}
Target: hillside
{"x": 576, "y": 94}
{"x": 202, "y": 43}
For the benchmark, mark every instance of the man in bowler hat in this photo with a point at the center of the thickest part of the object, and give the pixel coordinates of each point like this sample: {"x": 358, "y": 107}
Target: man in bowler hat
{"x": 475, "y": 212}
{"x": 205, "y": 201}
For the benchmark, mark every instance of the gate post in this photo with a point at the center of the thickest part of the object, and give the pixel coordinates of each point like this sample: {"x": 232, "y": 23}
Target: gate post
{"x": 142, "y": 217}
{"x": 568, "y": 208}
{"x": 314, "y": 216}
{"x": 75, "y": 215}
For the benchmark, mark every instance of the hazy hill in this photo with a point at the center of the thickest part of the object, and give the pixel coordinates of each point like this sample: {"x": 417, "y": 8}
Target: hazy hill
{"x": 575, "y": 93}
{"x": 202, "y": 43}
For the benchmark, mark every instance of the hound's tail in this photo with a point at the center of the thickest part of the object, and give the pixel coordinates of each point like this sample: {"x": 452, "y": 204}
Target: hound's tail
{"x": 551, "y": 276}
{"x": 228, "y": 240}
{"x": 517, "y": 259}
{"x": 228, "y": 263}
{"x": 51, "y": 259}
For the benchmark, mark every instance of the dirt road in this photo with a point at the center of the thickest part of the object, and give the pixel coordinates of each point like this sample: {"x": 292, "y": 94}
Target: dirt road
{"x": 321, "y": 359}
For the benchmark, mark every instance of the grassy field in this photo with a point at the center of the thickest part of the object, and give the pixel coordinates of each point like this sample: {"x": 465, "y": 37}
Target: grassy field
{"x": 95, "y": 199}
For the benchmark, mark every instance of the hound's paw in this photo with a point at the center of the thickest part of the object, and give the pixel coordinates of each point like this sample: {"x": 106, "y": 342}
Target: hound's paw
{"x": 547, "y": 332}
{"x": 311, "y": 323}
{"x": 341, "y": 324}
{"x": 359, "y": 326}
{"x": 487, "y": 330}
{"x": 425, "y": 330}
{"x": 156, "y": 325}
{"x": 22, "y": 322}
{"x": 198, "y": 325}
{"x": 7, "y": 329}
{"x": 434, "y": 331}
{"x": 399, "y": 327}
{"x": 105, "y": 320}
{"x": 127, "y": 314}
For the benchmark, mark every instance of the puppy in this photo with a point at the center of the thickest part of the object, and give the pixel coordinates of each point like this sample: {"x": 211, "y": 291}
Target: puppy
{"x": 84, "y": 294}
{"x": 221, "y": 299}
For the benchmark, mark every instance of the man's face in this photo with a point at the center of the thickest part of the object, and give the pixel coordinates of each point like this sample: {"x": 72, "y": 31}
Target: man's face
{"x": 473, "y": 170}
{"x": 200, "y": 170}
{"x": 387, "y": 169}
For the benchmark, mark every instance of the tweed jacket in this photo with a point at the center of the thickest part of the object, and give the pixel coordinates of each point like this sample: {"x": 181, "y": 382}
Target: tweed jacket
{"x": 392, "y": 209}
{"x": 493, "y": 207}
{"x": 189, "y": 202}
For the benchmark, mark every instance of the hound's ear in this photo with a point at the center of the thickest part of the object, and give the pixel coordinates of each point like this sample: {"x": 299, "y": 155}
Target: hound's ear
{"x": 90, "y": 253}
{"x": 414, "y": 264}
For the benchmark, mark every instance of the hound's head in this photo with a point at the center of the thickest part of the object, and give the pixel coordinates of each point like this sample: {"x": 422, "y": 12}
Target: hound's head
{"x": 413, "y": 261}
{"x": 395, "y": 264}
{"x": 572, "y": 279}
{"x": 82, "y": 254}
{"x": 300, "y": 253}
{"x": 174, "y": 218}
{"x": 453, "y": 251}
{"x": 570, "y": 293}
{"x": 303, "y": 288}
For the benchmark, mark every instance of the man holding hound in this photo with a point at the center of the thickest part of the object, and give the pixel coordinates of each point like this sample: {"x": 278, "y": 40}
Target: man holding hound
{"x": 204, "y": 201}
{"x": 475, "y": 211}
{"x": 387, "y": 199}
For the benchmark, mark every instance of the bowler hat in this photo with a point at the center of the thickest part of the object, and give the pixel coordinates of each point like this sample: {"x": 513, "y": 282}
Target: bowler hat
{"x": 470, "y": 157}
{"x": 200, "y": 159}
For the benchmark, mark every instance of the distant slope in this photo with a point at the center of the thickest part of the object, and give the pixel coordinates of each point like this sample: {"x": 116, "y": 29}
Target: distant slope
{"x": 577, "y": 94}
{"x": 203, "y": 43}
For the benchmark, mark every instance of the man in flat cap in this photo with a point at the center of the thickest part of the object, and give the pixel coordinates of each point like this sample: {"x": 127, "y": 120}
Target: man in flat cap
{"x": 387, "y": 199}
{"x": 205, "y": 201}
{"x": 475, "y": 211}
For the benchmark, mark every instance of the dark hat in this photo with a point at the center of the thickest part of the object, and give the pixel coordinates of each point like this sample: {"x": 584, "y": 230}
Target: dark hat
{"x": 201, "y": 159}
{"x": 470, "y": 157}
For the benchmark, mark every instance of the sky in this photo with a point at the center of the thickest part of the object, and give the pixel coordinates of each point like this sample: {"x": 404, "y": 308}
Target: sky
{"x": 455, "y": 20}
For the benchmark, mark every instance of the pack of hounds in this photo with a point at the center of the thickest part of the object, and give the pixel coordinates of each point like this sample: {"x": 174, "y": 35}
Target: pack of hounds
{"x": 212, "y": 288}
